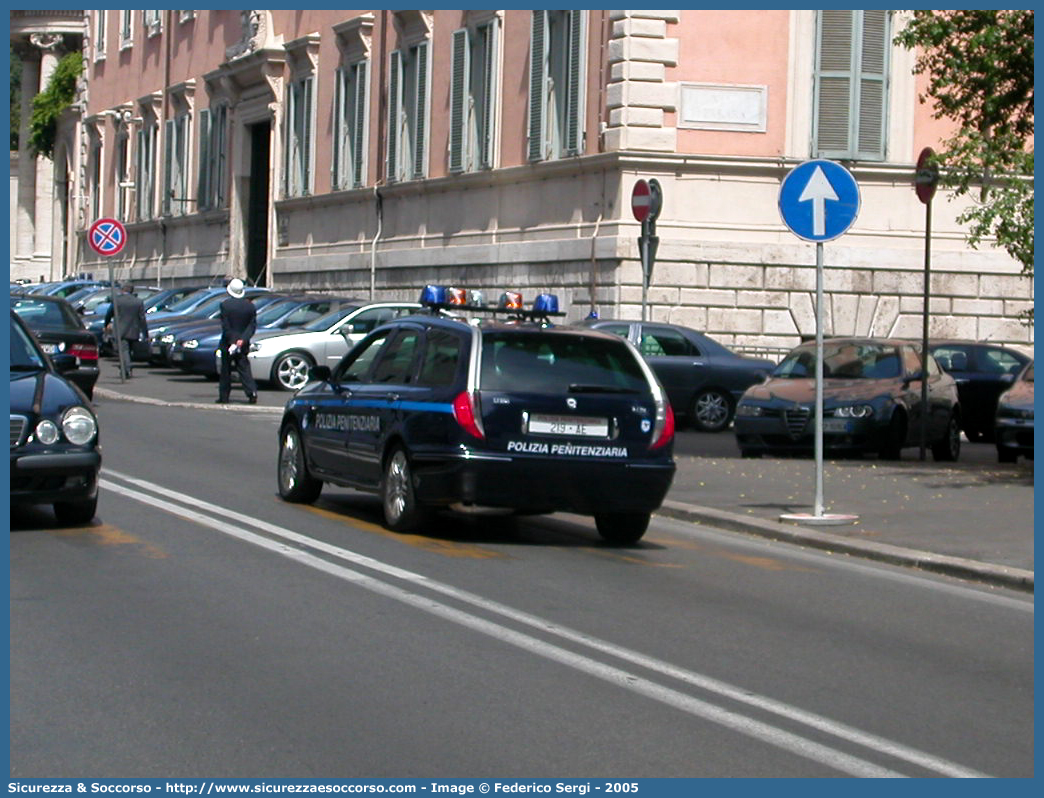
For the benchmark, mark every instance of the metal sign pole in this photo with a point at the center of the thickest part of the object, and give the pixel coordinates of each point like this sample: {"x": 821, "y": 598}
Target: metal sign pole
{"x": 924, "y": 324}
{"x": 116, "y": 324}
{"x": 643, "y": 248}
{"x": 818, "y": 512}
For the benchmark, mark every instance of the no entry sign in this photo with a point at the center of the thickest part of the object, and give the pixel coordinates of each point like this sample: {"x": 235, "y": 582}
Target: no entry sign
{"x": 107, "y": 236}
{"x": 645, "y": 200}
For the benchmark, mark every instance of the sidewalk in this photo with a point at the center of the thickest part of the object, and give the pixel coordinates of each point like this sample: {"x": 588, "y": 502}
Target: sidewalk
{"x": 973, "y": 520}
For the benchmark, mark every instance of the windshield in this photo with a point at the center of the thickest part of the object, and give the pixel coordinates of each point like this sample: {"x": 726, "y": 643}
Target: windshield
{"x": 842, "y": 361}
{"x": 541, "y": 363}
{"x": 39, "y": 313}
{"x": 190, "y": 301}
{"x": 24, "y": 354}
{"x": 274, "y": 312}
{"x": 330, "y": 319}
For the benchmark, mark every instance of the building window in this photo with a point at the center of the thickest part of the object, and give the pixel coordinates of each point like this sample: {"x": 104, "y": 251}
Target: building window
{"x": 556, "y": 84}
{"x": 351, "y": 99}
{"x": 121, "y": 173}
{"x": 472, "y": 98}
{"x": 126, "y": 28}
{"x": 851, "y": 85}
{"x": 185, "y": 16}
{"x": 153, "y": 22}
{"x": 99, "y": 35}
{"x": 145, "y": 166}
{"x": 298, "y": 126}
{"x": 176, "y": 167}
{"x": 408, "y": 113}
{"x": 213, "y": 124}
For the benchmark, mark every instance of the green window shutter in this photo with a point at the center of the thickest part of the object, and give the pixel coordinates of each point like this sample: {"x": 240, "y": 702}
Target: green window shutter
{"x": 394, "y": 112}
{"x": 574, "y": 111}
{"x": 485, "y": 155}
{"x": 537, "y": 85}
{"x": 420, "y": 139}
{"x": 870, "y": 141}
{"x": 203, "y": 181}
{"x": 834, "y": 84}
{"x": 169, "y": 150}
{"x": 359, "y": 124}
{"x": 288, "y": 139}
{"x": 219, "y": 129}
{"x": 458, "y": 93}
{"x": 306, "y": 135}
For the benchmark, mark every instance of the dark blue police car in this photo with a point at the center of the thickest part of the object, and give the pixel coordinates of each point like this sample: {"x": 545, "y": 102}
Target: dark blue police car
{"x": 475, "y": 406}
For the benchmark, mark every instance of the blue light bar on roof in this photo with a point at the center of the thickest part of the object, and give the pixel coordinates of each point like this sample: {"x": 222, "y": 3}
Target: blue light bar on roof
{"x": 545, "y": 303}
{"x": 433, "y": 295}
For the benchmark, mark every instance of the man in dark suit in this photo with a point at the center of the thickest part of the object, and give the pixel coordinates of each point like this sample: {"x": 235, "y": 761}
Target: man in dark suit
{"x": 129, "y": 312}
{"x": 238, "y": 323}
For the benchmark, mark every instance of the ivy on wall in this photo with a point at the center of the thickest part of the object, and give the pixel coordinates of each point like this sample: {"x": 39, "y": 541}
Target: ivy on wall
{"x": 49, "y": 104}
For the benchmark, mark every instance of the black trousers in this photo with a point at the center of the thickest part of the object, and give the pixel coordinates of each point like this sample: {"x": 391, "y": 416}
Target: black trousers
{"x": 242, "y": 366}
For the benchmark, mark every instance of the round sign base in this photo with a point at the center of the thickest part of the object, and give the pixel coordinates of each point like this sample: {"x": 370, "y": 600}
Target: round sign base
{"x": 827, "y": 519}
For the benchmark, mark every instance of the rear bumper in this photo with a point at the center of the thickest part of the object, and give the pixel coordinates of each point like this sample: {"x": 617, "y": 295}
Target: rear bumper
{"x": 1015, "y": 437}
{"x": 540, "y": 485}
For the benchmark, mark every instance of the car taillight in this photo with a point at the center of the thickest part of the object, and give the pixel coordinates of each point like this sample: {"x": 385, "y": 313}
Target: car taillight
{"x": 663, "y": 432}
{"x": 84, "y": 351}
{"x": 465, "y": 412}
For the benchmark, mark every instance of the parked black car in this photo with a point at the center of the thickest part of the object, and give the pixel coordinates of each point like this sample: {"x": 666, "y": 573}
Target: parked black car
{"x": 703, "y": 378}
{"x": 982, "y": 371}
{"x": 1014, "y": 422}
{"x": 871, "y": 402}
{"x": 60, "y": 330}
{"x": 55, "y": 455}
{"x": 521, "y": 415}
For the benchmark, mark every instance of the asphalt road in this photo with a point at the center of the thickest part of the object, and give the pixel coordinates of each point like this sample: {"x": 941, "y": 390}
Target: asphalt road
{"x": 202, "y": 627}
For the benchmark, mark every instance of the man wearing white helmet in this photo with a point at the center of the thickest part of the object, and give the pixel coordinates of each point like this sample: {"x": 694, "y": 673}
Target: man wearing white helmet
{"x": 238, "y": 323}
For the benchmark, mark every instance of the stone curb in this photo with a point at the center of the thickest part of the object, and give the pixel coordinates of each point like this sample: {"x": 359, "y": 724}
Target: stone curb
{"x": 998, "y": 575}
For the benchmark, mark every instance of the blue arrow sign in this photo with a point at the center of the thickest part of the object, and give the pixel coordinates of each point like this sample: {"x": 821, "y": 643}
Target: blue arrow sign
{"x": 819, "y": 200}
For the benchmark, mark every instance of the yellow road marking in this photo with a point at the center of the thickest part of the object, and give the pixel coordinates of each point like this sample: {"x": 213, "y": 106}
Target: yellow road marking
{"x": 447, "y": 548}
{"x": 108, "y": 535}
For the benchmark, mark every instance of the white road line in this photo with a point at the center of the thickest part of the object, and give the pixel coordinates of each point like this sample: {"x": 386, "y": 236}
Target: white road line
{"x": 722, "y": 689}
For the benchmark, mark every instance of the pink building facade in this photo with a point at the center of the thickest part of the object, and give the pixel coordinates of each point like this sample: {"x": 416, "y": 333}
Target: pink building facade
{"x": 372, "y": 152}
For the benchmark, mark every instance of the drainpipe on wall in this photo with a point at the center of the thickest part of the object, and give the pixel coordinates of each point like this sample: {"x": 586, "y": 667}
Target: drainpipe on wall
{"x": 379, "y": 207}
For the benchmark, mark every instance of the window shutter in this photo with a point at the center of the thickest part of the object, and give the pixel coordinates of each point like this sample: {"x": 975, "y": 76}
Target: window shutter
{"x": 394, "y": 112}
{"x": 340, "y": 126}
{"x": 306, "y": 135}
{"x": 485, "y": 155}
{"x": 872, "y": 86}
{"x": 359, "y": 134}
{"x": 288, "y": 138}
{"x": 574, "y": 113}
{"x": 219, "y": 127}
{"x": 203, "y": 183}
{"x": 834, "y": 78}
{"x": 420, "y": 148}
{"x": 537, "y": 85}
{"x": 458, "y": 90}
{"x": 169, "y": 150}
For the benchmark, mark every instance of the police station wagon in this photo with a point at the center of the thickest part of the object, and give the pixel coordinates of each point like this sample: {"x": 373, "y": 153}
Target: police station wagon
{"x": 493, "y": 408}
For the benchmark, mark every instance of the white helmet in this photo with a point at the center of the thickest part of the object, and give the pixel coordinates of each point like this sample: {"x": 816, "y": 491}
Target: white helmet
{"x": 235, "y": 287}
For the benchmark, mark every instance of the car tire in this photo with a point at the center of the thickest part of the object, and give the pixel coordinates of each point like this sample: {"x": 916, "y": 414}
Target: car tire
{"x": 622, "y": 529}
{"x": 290, "y": 370}
{"x": 891, "y": 447}
{"x": 1005, "y": 455}
{"x": 402, "y": 512}
{"x": 711, "y": 410}
{"x": 948, "y": 448}
{"x": 296, "y": 484}
{"x": 77, "y": 512}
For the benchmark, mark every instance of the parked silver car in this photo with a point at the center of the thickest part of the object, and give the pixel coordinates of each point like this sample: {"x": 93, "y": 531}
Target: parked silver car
{"x": 285, "y": 358}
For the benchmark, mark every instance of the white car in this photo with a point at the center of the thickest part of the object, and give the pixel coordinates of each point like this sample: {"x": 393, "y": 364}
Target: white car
{"x": 285, "y": 358}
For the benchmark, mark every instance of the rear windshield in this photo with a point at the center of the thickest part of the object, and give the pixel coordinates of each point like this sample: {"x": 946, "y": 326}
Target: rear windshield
{"x": 39, "y": 313}
{"x": 547, "y": 363}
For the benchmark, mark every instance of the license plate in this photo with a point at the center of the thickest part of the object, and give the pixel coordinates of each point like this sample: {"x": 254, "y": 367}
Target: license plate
{"x": 579, "y": 426}
{"x": 835, "y": 425}
{"x": 51, "y": 349}
{"x": 177, "y": 356}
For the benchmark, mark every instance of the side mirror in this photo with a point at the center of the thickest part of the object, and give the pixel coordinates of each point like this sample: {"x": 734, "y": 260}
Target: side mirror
{"x": 913, "y": 376}
{"x": 319, "y": 373}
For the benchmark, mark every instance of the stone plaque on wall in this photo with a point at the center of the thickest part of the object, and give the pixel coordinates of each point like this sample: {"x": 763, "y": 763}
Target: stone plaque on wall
{"x": 709, "y": 106}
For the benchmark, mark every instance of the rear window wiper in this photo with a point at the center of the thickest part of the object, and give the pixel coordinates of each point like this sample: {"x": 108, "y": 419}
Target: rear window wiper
{"x": 578, "y": 388}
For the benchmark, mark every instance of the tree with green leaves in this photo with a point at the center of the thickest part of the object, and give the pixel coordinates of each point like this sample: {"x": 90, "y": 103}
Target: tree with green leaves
{"x": 51, "y": 103}
{"x": 980, "y": 74}
{"x": 16, "y": 96}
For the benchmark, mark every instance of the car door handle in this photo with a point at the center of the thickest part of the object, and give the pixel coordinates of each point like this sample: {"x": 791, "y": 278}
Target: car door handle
{"x": 391, "y": 397}
{"x": 961, "y": 380}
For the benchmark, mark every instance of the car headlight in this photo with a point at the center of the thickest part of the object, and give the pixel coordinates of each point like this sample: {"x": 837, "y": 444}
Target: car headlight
{"x": 167, "y": 339}
{"x": 79, "y": 425}
{"x": 853, "y": 411}
{"x": 191, "y": 344}
{"x": 47, "y": 432}
{"x": 750, "y": 410}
